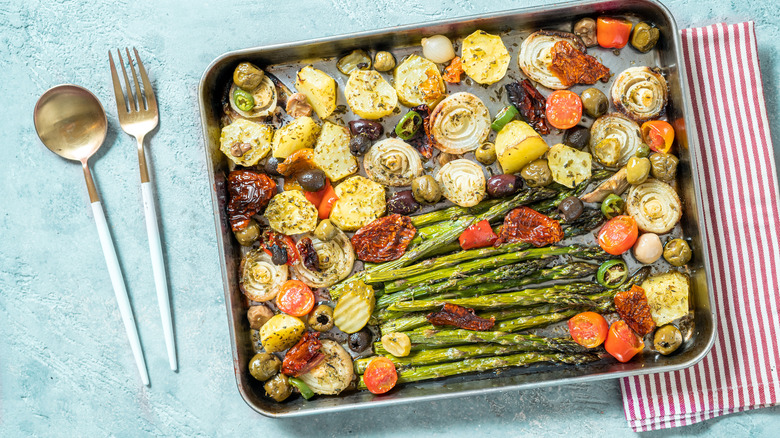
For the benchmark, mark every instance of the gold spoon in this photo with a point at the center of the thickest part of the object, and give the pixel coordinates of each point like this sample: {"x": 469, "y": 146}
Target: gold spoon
{"x": 71, "y": 122}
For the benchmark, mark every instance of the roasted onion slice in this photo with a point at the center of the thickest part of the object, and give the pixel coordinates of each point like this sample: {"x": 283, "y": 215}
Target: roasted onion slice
{"x": 336, "y": 257}
{"x": 655, "y": 206}
{"x": 261, "y": 279}
{"x": 462, "y": 182}
{"x": 265, "y": 100}
{"x": 621, "y": 128}
{"x": 535, "y": 58}
{"x": 460, "y": 123}
{"x": 332, "y": 375}
{"x": 392, "y": 162}
{"x": 640, "y": 93}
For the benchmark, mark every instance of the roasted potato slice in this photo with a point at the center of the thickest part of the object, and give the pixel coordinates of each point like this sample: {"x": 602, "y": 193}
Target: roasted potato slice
{"x": 369, "y": 95}
{"x": 319, "y": 89}
{"x": 360, "y": 202}
{"x": 331, "y": 153}
{"x": 418, "y": 81}
{"x": 298, "y": 134}
{"x": 485, "y": 57}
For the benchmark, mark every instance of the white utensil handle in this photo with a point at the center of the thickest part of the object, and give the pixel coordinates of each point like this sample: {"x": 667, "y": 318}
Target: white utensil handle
{"x": 158, "y": 267}
{"x": 119, "y": 289}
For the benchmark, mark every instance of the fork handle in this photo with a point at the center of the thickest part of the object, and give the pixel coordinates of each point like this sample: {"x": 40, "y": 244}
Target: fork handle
{"x": 158, "y": 267}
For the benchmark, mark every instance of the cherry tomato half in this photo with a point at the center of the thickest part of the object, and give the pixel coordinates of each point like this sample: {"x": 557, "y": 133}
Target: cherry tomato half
{"x": 563, "y": 109}
{"x": 618, "y": 235}
{"x": 588, "y": 329}
{"x": 658, "y": 135}
{"x": 622, "y": 343}
{"x": 295, "y": 298}
{"x": 613, "y": 33}
{"x": 478, "y": 235}
{"x": 380, "y": 375}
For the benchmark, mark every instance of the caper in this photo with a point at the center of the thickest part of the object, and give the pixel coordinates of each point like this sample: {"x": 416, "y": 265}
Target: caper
{"x": 384, "y": 61}
{"x": 359, "y": 145}
{"x": 667, "y": 339}
{"x": 247, "y": 76}
{"x": 263, "y": 366}
{"x": 278, "y": 388}
{"x": 644, "y": 37}
{"x": 537, "y": 173}
{"x": 677, "y": 252}
{"x": 325, "y": 230}
{"x": 321, "y": 318}
{"x": 426, "y": 190}
{"x": 312, "y": 180}
{"x": 355, "y": 60}
{"x": 249, "y": 234}
{"x": 486, "y": 153}
{"x": 577, "y": 137}
{"x": 594, "y": 102}
{"x": 664, "y": 166}
{"x": 607, "y": 151}
{"x": 637, "y": 170}
{"x": 642, "y": 151}
{"x": 571, "y": 208}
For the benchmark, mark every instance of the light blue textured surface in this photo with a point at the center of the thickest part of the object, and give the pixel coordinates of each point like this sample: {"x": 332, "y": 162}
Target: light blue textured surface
{"x": 65, "y": 365}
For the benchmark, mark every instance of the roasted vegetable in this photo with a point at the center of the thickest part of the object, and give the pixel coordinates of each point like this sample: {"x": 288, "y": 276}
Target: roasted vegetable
{"x": 319, "y": 89}
{"x": 667, "y": 296}
{"x": 248, "y": 235}
{"x": 281, "y": 332}
{"x": 486, "y": 153}
{"x": 616, "y": 184}
{"x": 245, "y": 142}
{"x": 613, "y": 205}
{"x": 332, "y": 152}
{"x": 384, "y": 61}
{"x": 258, "y": 102}
{"x": 460, "y": 123}
{"x": 588, "y": 329}
{"x": 369, "y": 95}
{"x": 612, "y": 33}
{"x": 299, "y": 134}
{"x": 260, "y": 277}
{"x": 664, "y": 166}
{"x": 321, "y": 318}
{"x": 618, "y": 235}
{"x": 677, "y": 252}
{"x": 291, "y": 213}
{"x": 402, "y": 202}
{"x": 586, "y": 30}
{"x": 658, "y": 135}
{"x": 530, "y": 103}
{"x": 360, "y": 201}
{"x": 392, "y": 162}
{"x": 384, "y": 239}
{"x": 298, "y": 106}
{"x": 370, "y": 128}
{"x": 640, "y": 93}
{"x": 537, "y": 173}
{"x": 354, "y": 307}
{"x": 312, "y": 180}
{"x": 535, "y": 60}
{"x": 572, "y": 66}
{"x": 278, "y": 388}
{"x": 336, "y": 257}
{"x": 485, "y": 57}
{"x": 426, "y": 190}
{"x": 667, "y": 339}
{"x": 637, "y": 170}
{"x": 359, "y": 145}
{"x": 248, "y": 76}
{"x": 461, "y": 317}
{"x": 612, "y": 273}
{"x": 263, "y": 366}
{"x": 633, "y": 308}
{"x": 380, "y": 375}
{"x": 571, "y": 208}
{"x": 462, "y": 182}
{"x": 501, "y": 186}
{"x": 568, "y": 166}
{"x": 577, "y": 137}
{"x": 454, "y": 71}
{"x": 517, "y": 145}
{"x": 644, "y": 37}
{"x": 524, "y": 224}
{"x": 594, "y": 102}
{"x": 477, "y": 235}
{"x": 249, "y": 192}
{"x": 563, "y": 109}
{"x": 258, "y": 315}
{"x": 648, "y": 248}
{"x": 623, "y": 130}
{"x": 622, "y": 343}
{"x": 437, "y": 48}
{"x": 418, "y": 81}
{"x": 354, "y": 60}
{"x": 655, "y": 206}
{"x": 397, "y": 344}
{"x": 334, "y": 373}
{"x": 303, "y": 356}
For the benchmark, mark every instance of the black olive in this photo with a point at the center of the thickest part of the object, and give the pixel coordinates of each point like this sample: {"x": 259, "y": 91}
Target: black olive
{"x": 359, "y": 341}
{"x": 577, "y": 137}
{"x": 271, "y": 166}
{"x": 402, "y": 203}
{"x": 312, "y": 180}
{"x": 278, "y": 254}
{"x": 571, "y": 208}
{"x": 499, "y": 186}
{"x": 373, "y": 130}
{"x": 359, "y": 145}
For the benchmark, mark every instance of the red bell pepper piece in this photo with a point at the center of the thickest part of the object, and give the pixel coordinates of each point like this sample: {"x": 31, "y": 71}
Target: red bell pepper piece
{"x": 613, "y": 33}
{"x": 328, "y": 198}
{"x": 478, "y": 235}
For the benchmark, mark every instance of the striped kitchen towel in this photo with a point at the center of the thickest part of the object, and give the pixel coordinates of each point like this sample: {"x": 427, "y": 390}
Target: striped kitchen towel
{"x": 741, "y": 223}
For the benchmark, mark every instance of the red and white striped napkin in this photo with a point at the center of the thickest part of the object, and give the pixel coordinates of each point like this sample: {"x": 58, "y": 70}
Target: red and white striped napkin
{"x": 741, "y": 221}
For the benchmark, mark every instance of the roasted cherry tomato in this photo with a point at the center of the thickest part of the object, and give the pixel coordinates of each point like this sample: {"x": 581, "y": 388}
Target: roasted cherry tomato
{"x": 622, "y": 343}
{"x": 658, "y": 135}
{"x": 478, "y": 235}
{"x": 563, "y": 109}
{"x": 618, "y": 235}
{"x": 588, "y": 329}
{"x": 295, "y": 298}
{"x": 613, "y": 33}
{"x": 380, "y": 375}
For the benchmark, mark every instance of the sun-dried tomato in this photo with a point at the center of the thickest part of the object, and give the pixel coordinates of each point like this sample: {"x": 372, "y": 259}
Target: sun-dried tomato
{"x": 384, "y": 239}
{"x": 633, "y": 308}
{"x": 250, "y": 192}
{"x": 530, "y": 103}
{"x": 525, "y": 224}
{"x": 424, "y": 140}
{"x": 308, "y": 254}
{"x": 453, "y": 71}
{"x": 574, "y": 67}
{"x": 462, "y": 317}
{"x": 273, "y": 241}
{"x": 304, "y": 356}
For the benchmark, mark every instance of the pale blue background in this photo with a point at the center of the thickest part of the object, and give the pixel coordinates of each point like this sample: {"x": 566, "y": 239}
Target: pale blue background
{"x": 65, "y": 365}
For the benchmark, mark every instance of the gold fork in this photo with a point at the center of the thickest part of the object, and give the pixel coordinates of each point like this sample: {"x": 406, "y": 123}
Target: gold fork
{"x": 138, "y": 116}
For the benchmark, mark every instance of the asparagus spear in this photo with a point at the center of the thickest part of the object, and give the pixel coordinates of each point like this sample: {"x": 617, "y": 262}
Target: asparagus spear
{"x": 427, "y": 372}
{"x": 447, "y": 337}
{"x": 454, "y": 212}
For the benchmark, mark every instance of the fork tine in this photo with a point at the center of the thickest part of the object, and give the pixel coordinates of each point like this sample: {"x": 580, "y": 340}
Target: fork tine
{"x": 121, "y": 105}
{"x": 151, "y": 101}
{"x": 138, "y": 94}
{"x": 131, "y": 100}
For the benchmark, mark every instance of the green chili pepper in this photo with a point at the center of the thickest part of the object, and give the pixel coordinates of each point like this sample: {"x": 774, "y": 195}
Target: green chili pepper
{"x": 612, "y": 273}
{"x": 306, "y": 392}
{"x": 409, "y": 125}
{"x": 243, "y": 99}
{"x": 642, "y": 151}
{"x": 612, "y": 206}
{"x": 504, "y": 116}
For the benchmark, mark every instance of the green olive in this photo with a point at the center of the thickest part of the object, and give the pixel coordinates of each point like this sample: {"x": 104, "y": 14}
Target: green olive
{"x": 607, "y": 151}
{"x": 325, "y": 230}
{"x": 384, "y": 61}
{"x": 677, "y": 252}
{"x": 249, "y": 234}
{"x": 486, "y": 153}
{"x": 638, "y": 169}
{"x": 537, "y": 173}
{"x": 263, "y": 366}
{"x": 644, "y": 37}
{"x": 642, "y": 151}
{"x": 355, "y": 60}
{"x": 667, "y": 339}
{"x": 321, "y": 318}
{"x": 278, "y": 388}
{"x": 426, "y": 190}
{"x": 247, "y": 76}
{"x": 594, "y": 102}
{"x": 664, "y": 166}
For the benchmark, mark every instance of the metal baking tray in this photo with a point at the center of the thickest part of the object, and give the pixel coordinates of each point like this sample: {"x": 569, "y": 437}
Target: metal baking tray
{"x": 285, "y": 59}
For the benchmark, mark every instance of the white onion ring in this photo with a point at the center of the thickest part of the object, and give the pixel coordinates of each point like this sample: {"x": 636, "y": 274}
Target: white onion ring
{"x": 655, "y": 206}
{"x": 535, "y": 59}
{"x": 462, "y": 182}
{"x": 460, "y": 123}
{"x": 640, "y": 93}
{"x": 265, "y": 100}
{"x": 392, "y": 162}
{"x": 332, "y": 375}
{"x": 337, "y": 257}
{"x": 261, "y": 279}
{"x": 625, "y": 130}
